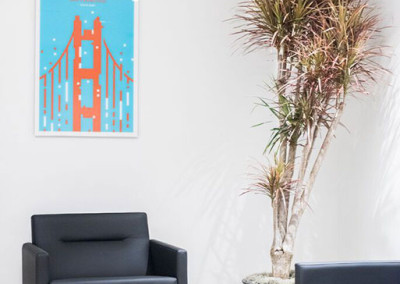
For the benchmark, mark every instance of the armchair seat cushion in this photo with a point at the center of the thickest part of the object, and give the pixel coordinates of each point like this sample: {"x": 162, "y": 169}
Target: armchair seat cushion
{"x": 118, "y": 280}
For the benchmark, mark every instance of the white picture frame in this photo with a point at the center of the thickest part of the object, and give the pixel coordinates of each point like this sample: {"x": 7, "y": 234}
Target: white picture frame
{"x": 128, "y": 128}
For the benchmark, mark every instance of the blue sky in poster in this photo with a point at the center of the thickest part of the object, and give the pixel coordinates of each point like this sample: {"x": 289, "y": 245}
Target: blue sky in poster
{"x": 56, "y": 27}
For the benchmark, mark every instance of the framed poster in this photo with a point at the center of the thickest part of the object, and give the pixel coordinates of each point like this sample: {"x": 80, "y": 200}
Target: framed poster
{"x": 86, "y": 68}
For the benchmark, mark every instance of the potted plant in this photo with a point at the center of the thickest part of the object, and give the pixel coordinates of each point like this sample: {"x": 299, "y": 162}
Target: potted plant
{"x": 325, "y": 52}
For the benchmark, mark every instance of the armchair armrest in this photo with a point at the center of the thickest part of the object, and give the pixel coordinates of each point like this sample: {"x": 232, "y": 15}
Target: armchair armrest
{"x": 167, "y": 260}
{"x": 35, "y": 265}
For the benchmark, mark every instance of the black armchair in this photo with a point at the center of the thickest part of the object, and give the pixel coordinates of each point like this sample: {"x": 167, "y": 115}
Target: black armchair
{"x": 348, "y": 273}
{"x": 99, "y": 249}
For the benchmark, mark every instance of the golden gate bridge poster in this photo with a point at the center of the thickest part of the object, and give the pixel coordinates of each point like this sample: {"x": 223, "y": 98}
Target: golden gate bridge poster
{"x": 86, "y": 68}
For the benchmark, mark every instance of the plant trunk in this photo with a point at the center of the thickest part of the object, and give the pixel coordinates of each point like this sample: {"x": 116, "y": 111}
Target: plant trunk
{"x": 281, "y": 263}
{"x": 301, "y": 200}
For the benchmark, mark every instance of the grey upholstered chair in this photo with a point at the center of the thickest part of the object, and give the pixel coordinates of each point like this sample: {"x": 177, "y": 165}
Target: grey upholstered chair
{"x": 99, "y": 249}
{"x": 348, "y": 273}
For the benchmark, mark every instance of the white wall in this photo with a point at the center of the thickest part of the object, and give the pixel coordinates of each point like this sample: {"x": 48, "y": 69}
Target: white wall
{"x": 369, "y": 192}
{"x": 189, "y": 165}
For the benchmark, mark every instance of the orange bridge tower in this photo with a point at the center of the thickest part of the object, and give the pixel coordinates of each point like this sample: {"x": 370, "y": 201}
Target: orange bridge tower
{"x": 81, "y": 74}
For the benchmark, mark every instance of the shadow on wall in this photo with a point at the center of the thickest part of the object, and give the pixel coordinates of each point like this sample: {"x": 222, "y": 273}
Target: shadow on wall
{"x": 220, "y": 223}
{"x": 370, "y": 194}
{"x": 385, "y": 212}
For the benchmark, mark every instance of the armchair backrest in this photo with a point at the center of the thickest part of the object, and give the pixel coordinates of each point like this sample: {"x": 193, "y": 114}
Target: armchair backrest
{"x": 93, "y": 245}
{"x": 348, "y": 273}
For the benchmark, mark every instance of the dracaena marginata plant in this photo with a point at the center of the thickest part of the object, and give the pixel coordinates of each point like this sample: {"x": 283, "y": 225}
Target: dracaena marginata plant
{"x": 326, "y": 50}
